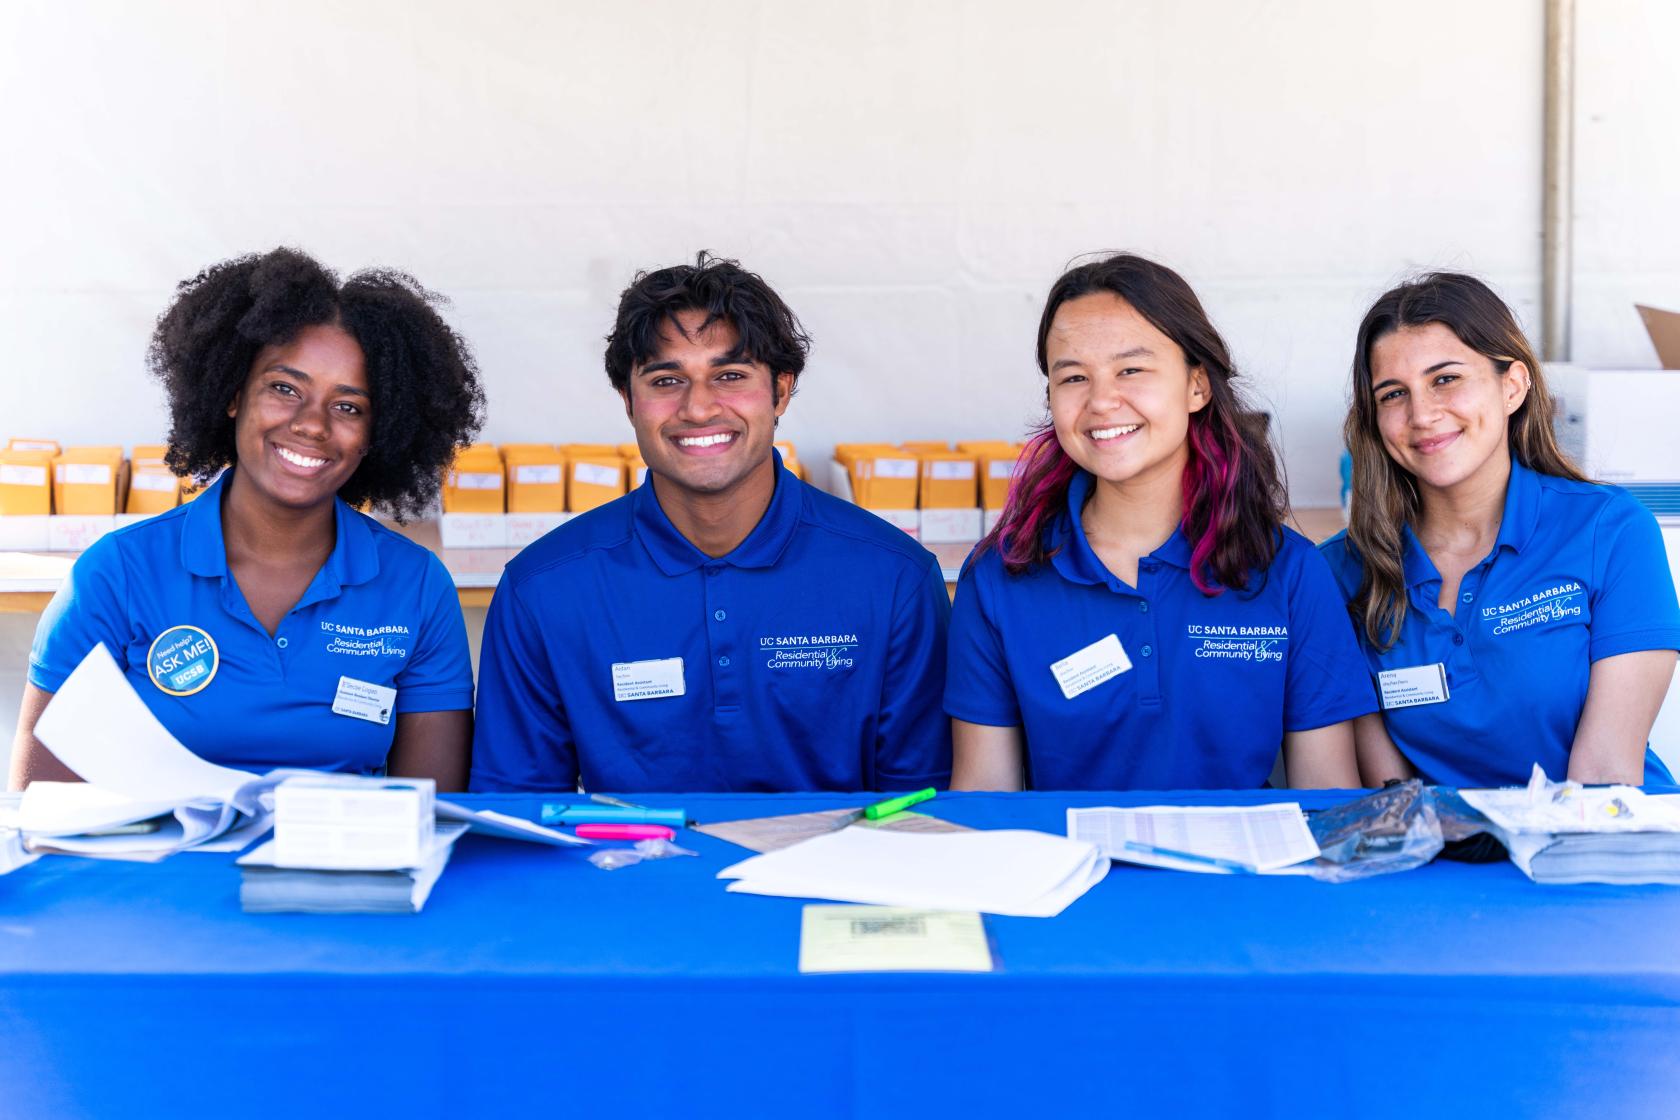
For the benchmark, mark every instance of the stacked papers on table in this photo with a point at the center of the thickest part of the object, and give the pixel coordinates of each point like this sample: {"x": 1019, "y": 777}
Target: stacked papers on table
{"x": 1568, "y": 833}
{"x": 1267, "y": 839}
{"x": 1008, "y": 871}
{"x": 265, "y": 888}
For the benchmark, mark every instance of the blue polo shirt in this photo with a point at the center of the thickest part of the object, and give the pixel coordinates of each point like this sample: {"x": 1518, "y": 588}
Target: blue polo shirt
{"x": 809, "y": 658}
{"x": 382, "y": 611}
{"x": 1578, "y": 572}
{"x": 1214, "y": 681}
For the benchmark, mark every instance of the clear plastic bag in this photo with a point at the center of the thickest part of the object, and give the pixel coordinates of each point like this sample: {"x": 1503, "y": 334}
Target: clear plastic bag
{"x": 611, "y": 859}
{"x": 1395, "y": 828}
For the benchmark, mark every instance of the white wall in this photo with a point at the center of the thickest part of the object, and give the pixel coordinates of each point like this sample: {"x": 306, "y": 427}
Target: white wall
{"x": 911, "y": 175}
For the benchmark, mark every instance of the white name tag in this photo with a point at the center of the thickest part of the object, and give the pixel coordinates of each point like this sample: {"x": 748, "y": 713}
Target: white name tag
{"x": 1082, "y": 671}
{"x": 647, "y": 680}
{"x": 364, "y": 700}
{"x": 1408, "y": 688}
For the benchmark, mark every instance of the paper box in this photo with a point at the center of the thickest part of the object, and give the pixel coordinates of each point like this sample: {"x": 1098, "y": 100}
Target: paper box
{"x": 536, "y": 478}
{"x": 86, "y": 480}
{"x": 948, "y": 481}
{"x": 152, "y": 488}
{"x": 997, "y": 468}
{"x": 526, "y": 528}
{"x": 77, "y": 532}
{"x": 349, "y": 822}
{"x": 1664, "y": 329}
{"x": 950, "y": 526}
{"x": 881, "y": 476}
{"x": 637, "y": 469}
{"x": 473, "y": 530}
{"x": 907, "y": 519}
{"x": 149, "y": 454}
{"x": 26, "y": 483}
{"x": 594, "y": 480}
{"x": 925, "y": 445}
{"x": 48, "y": 445}
{"x": 790, "y": 459}
{"x": 475, "y": 482}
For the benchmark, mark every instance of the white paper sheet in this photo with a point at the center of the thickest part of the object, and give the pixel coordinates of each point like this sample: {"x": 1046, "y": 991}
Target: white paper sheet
{"x": 1006, "y": 871}
{"x": 1265, "y": 837}
{"x": 98, "y": 727}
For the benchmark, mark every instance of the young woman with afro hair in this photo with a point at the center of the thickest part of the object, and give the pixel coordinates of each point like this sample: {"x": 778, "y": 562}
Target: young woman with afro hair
{"x": 268, "y": 623}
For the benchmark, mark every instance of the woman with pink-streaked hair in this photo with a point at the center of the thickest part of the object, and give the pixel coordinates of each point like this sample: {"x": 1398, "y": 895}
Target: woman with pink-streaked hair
{"x": 1141, "y": 617}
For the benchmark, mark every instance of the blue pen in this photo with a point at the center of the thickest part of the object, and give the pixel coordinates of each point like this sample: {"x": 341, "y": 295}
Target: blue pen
{"x": 612, "y": 814}
{"x": 1191, "y": 857}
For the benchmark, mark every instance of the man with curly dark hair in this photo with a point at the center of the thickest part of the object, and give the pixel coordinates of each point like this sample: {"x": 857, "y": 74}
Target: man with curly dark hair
{"x": 268, "y": 623}
{"x": 724, "y": 626}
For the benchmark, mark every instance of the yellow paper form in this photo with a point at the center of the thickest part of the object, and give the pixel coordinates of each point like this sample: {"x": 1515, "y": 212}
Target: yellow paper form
{"x": 892, "y": 939}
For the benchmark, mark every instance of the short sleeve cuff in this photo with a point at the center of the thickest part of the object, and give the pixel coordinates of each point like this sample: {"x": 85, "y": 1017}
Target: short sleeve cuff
{"x": 1332, "y": 714}
{"x": 939, "y": 779}
{"x": 1632, "y": 641}
{"x": 970, "y": 712}
{"x": 44, "y": 678}
{"x": 434, "y": 700}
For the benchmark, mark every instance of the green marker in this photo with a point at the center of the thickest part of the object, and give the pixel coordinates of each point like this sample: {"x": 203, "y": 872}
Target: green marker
{"x": 897, "y": 804}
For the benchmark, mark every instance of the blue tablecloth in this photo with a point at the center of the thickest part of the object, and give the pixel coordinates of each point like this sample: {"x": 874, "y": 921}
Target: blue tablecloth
{"x": 536, "y": 985}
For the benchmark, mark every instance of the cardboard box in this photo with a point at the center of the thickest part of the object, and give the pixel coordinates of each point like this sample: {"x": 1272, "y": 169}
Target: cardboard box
{"x": 1664, "y": 329}
{"x": 997, "y": 469}
{"x": 50, "y": 445}
{"x": 86, "y": 481}
{"x": 26, "y": 483}
{"x": 881, "y": 476}
{"x": 925, "y": 445}
{"x": 475, "y": 482}
{"x": 152, "y": 487}
{"x": 594, "y": 479}
{"x": 637, "y": 470}
{"x": 790, "y": 459}
{"x": 948, "y": 481}
{"x": 536, "y": 478}
{"x": 149, "y": 454}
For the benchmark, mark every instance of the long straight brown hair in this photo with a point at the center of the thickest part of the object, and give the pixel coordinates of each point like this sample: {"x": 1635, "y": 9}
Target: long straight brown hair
{"x": 1385, "y": 496}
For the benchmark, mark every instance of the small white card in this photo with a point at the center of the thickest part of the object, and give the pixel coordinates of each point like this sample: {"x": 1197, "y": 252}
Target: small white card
{"x": 892, "y": 939}
{"x": 1084, "y": 670}
{"x": 647, "y": 680}
{"x": 364, "y": 700}
{"x": 1408, "y": 688}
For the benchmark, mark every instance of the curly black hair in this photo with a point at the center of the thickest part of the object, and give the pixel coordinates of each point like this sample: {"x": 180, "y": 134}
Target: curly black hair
{"x": 769, "y": 331}
{"x": 421, "y": 375}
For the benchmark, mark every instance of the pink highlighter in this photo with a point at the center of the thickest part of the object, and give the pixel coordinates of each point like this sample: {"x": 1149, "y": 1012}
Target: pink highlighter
{"x": 624, "y": 832}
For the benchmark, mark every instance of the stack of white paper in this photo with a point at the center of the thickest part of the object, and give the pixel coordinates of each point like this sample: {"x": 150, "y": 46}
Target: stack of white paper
{"x": 1221, "y": 839}
{"x": 1025, "y": 874}
{"x": 1562, "y": 832}
{"x": 266, "y": 888}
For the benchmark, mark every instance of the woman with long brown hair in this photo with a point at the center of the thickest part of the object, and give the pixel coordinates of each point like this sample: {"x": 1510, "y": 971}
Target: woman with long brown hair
{"x": 1141, "y": 618}
{"x": 1514, "y": 612}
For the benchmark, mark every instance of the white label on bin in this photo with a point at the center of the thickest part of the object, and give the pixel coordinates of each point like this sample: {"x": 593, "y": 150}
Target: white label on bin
{"x": 951, "y": 470}
{"x": 465, "y": 480}
{"x": 594, "y": 474}
{"x": 11, "y": 475}
{"x": 1001, "y": 468}
{"x": 537, "y": 474}
{"x": 86, "y": 474}
{"x": 895, "y": 468}
{"x": 157, "y": 483}
{"x": 638, "y": 474}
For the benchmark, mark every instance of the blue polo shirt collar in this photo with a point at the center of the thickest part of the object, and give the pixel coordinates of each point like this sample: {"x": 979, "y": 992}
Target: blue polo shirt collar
{"x": 354, "y": 559}
{"x": 675, "y": 555}
{"x": 1071, "y": 551}
{"x": 1516, "y": 527}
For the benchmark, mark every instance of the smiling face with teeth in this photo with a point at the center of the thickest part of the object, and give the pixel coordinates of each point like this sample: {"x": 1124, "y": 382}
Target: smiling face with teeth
{"x": 1121, "y": 392}
{"x": 705, "y": 417}
{"x": 302, "y": 421}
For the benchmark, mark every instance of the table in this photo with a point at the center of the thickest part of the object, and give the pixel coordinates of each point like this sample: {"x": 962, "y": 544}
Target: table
{"x": 536, "y": 985}
{"x": 28, "y": 579}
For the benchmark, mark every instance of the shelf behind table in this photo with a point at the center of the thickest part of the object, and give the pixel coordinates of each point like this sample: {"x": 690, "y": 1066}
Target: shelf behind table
{"x": 28, "y": 579}
{"x": 533, "y": 978}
